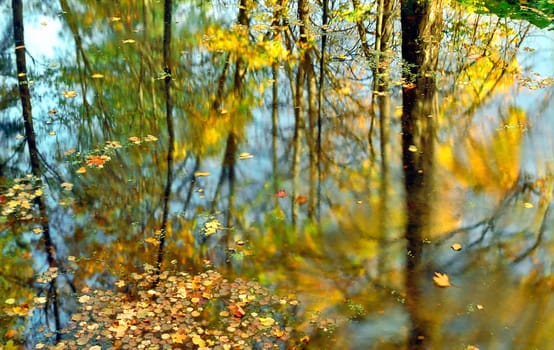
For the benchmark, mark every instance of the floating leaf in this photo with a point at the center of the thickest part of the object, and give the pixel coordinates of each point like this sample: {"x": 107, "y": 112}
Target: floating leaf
{"x": 97, "y": 76}
{"x": 266, "y": 321}
{"x": 81, "y": 170}
{"x": 129, "y": 41}
{"x": 67, "y": 186}
{"x": 301, "y": 199}
{"x": 84, "y": 299}
{"x": 150, "y": 138}
{"x": 69, "y": 93}
{"x": 245, "y": 155}
{"x": 152, "y": 240}
{"x": 98, "y": 161}
{"x": 236, "y": 310}
{"x": 281, "y": 193}
{"x": 201, "y": 173}
{"x": 178, "y": 338}
{"x": 135, "y": 140}
{"x": 456, "y": 247}
{"x": 441, "y": 280}
{"x": 528, "y": 205}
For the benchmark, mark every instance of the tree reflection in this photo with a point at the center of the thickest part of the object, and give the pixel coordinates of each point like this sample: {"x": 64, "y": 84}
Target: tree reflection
{"x": 421, "y": 29}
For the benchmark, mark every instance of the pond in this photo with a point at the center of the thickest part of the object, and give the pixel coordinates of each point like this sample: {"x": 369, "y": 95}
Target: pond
{"x": 277, "y": 174}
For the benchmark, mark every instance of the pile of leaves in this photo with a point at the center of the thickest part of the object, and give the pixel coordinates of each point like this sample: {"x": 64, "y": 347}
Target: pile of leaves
{"x": 176, "y": 310}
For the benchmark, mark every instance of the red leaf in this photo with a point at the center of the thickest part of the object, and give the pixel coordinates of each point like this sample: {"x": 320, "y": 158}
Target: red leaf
{"x": 281, "y": 193}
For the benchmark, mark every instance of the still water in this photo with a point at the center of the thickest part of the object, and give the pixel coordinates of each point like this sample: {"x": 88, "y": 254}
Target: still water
{"x": 280, "y": 150}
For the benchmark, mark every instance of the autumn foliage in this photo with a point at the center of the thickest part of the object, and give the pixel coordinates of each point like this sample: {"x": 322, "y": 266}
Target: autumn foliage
{"x": 176, "y": 310}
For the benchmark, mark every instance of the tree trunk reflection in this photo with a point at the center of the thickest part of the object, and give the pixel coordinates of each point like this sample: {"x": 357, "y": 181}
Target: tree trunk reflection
{"x": 421, "y": 26}
{"x": 27, "y": 112}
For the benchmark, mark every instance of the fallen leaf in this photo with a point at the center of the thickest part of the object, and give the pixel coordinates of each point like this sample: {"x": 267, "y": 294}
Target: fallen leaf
{"x": 201, "y": 173}
{"x": 135, "y": 140}
{"x": 152, "y": 240}
{"x": 81, "y": 170}
{"x": 178, "y": 338}
{"x": 267, "y": 321}
{"x": 69, "y": 93}
{"x": 11, "y": 333}
{"x": 441, "y": 280}
{"x": 281, "y": 193}
{"x": 67, "y": 186}
{"x": 245, "y": 155}
{"x": 97, "y": 161}
{"x": 456, "y": 247}
{"x": 301, "y": 199}
{"x": 236, "y": 310}
{"x": 97, "y": 76}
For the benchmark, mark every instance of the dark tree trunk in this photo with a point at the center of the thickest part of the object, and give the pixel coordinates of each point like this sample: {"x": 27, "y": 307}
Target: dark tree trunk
{"x": 421, "y": 27}
{"x": 170, "y": 130}
{"x": 25, "y": 97}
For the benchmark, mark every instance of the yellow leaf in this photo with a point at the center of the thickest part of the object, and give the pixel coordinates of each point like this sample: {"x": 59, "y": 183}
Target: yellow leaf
{"x": 441, "y": 280}
{"x": 245, "y": 155}
{"x": 81, "y": 170}
{"x": 201, "y": 173}
{"x": 456, "y": 247}
{"x": 267, "y": 321}
{"x": 97, "y": 76}
{"x": 152, "y": 240}
{"x": 69, "y": 93}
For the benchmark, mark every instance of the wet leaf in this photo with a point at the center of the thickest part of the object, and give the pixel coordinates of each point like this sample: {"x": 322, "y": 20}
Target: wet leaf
{"x": 301, "y": 199}
{"x": 266, "y": 321}
{"x": 245, "y": 155}
{"x": 97, "y": 76}
{"x": 201, "y": 173}
{"x": 456, "y": 247}
{"x": 81, "y": 170}
{"x": 281, "y": 193}
{"x": 236, "y": 310}
{"x": 441, "y": 280}
{"x": 69, "y": 93}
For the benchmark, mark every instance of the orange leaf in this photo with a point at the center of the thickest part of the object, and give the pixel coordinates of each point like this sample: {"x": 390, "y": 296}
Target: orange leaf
{"x": 81, "y": 170}
{"x": 301, "y": 199}
{"x": 236, "y": 310}
{"x": 281, "y": 193}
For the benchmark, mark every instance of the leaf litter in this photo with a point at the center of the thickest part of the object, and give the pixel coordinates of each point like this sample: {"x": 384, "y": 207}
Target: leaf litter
{"x": 176, "y": 310}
